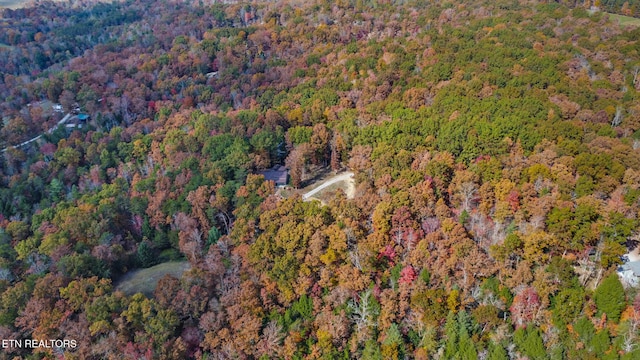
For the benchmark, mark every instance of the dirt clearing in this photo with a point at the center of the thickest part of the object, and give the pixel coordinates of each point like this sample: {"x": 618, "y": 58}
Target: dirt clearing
{"x": 325, "y": 189}
{"x": 146, "y": 280}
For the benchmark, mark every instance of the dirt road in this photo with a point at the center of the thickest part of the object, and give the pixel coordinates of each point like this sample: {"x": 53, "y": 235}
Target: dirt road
{"x": 340, "y": 177}
{"x": 61, "y": 122}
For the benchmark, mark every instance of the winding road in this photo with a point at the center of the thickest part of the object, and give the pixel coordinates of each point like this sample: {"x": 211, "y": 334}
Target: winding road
{"x": 61, "y": 122}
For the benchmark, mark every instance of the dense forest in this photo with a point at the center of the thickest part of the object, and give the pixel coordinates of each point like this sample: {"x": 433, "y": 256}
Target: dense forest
{"x": 495, "y": 147}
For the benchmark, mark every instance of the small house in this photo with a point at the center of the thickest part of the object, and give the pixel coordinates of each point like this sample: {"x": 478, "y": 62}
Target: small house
{"x": 629, "y": 273}
{"x": 278, "y": 174}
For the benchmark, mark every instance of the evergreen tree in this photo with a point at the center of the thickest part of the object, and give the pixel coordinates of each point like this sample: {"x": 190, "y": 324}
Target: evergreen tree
{"x": 601, "y": 342}
{"x": 213, "y": 236}
{"x": 466, "y": 348}
{"x": 392, "y": 344}
{"x": 610, "y": 298}
{"x": 567, "y": 306}
{"x": 497, "y": 352}
{"x": 458, "y": 330}
{"x": 451, "y": 333}
{"x": 530, "y": 343}
{"x": 372, "y": 351}
{"x": 56, "y": 189}
{"x": 145, "y": 255}
{"x": 632, "y": 355}
{"x": 584, "y": 327}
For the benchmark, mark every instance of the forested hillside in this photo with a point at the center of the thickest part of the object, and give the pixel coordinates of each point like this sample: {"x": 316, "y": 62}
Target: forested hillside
{"x": 495, "y": 147}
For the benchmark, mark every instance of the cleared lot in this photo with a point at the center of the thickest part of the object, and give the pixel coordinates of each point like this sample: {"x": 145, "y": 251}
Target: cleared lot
{"x": 146, "y": 280}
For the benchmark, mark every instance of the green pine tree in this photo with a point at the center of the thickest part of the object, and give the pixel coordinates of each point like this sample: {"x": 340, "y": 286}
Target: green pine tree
{"x": 451, "y": 333}
{"x": 601, "y": 342}
{"x": 610, "y": 298}
{"x": 371, "y": 351}
{"x": 145, "y": 254}
{"x": 530, "y": 343}
{"x": 497, "y": 352}
{"x": 466, "y": 348}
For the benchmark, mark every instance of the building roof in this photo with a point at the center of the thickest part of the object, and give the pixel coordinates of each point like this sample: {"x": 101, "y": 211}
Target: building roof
{"x": 83, "y": 116}
{"x": 278, "y": 174}
{"x": 631, "y": 265}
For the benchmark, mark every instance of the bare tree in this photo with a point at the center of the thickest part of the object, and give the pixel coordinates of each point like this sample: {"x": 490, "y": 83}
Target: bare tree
{"x": 617, "y": 119}
{"x": 352, "y": 245}
{"x": 354, "y": 256}
{"x": 362, "y": 311}
{"x": 585, "y": 270}
{"x": 630, "y": 337}
{"x": 271, "y": 339}
{"x": 468, "y": 191}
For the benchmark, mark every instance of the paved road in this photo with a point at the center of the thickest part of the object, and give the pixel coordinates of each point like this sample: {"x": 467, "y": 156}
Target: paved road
{"x": 61, "y": 122}
{"x": 344, "y": 176}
